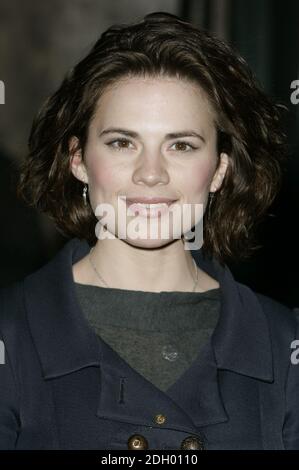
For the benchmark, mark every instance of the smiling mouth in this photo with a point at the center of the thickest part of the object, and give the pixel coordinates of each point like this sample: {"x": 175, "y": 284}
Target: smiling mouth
{"x": 148, "y": 210}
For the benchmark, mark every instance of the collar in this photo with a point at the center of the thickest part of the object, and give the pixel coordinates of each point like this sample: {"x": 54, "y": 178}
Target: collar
{"x": 241, "y": 339}
{"x": 65, "y": 342}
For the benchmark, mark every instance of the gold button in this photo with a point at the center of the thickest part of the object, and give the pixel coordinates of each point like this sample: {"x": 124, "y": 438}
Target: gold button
{"x": 192, "y": 443}
{"x": 160, "y": 419}
{"x": 137, "y": 442}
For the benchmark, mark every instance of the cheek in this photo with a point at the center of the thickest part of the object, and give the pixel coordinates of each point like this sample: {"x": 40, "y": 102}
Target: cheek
{"x": 102, "y": 176}
{"x": 197, "y": 179}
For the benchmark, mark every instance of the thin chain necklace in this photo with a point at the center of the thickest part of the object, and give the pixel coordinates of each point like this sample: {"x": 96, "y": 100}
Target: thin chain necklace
{"x": 104, "y": 282}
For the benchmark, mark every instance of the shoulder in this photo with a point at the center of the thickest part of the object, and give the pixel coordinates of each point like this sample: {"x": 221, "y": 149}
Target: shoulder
{"x": 282, "y": 321}
{"x": 14, "y": 329}
{"x": 11, "y": 302}
{"x": 12, "y": 312}
{"x": 277, "y": 313}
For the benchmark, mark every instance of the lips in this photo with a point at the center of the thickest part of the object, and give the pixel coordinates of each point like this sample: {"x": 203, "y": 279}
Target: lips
{"x": 149, "y": 207}
{"x": 150, "y": 200}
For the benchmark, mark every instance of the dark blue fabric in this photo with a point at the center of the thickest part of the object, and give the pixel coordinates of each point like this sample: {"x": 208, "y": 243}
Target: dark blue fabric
{"x": 62, "y": 387}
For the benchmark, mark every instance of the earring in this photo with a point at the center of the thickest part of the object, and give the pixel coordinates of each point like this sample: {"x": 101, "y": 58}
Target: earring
{"x": 84, "y": 194}
{"x": 211, "y": 197}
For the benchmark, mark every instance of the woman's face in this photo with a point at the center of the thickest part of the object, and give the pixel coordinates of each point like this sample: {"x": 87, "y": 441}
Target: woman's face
{"x": 143, "y": 159}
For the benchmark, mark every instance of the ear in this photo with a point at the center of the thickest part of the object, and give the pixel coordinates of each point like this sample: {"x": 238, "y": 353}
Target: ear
{"x": 219, "y": 173}
{"x": 77, "y": 166}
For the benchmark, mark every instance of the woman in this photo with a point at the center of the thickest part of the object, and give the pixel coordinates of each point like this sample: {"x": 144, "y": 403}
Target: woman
{"x": 147, "y": 341}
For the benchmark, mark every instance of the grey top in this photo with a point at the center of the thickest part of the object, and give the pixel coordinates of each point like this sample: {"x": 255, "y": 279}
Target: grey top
{"x": 159, "y": 334}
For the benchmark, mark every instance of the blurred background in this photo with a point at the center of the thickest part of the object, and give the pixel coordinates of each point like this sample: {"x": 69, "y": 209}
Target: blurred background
{"x": 40, "y": 41}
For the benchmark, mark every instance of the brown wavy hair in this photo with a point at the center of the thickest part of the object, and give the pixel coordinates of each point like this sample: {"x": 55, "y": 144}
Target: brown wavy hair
{"x": 248, "y": 128}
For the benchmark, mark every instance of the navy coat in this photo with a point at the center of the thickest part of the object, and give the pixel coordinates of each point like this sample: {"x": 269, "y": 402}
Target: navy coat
{"x": 64, "y": 388}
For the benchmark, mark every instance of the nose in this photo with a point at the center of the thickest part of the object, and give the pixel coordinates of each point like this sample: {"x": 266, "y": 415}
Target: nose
{"x": 151, "y": 169}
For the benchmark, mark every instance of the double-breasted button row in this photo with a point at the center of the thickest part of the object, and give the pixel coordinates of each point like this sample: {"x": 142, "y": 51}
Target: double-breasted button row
{"x": 139, "y": 442}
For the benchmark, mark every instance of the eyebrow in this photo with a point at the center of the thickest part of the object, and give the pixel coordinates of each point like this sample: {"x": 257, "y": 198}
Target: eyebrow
{"x": 170, "y": 135}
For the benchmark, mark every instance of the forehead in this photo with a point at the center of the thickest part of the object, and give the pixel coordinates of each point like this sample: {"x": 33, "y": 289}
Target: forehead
{"x": 162, "y": 100}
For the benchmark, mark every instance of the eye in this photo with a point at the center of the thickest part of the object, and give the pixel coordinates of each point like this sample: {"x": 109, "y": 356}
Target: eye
{"x": 117, "y": 147}
{"x": 125, "y": 142}
{"x": 183, "y": 144}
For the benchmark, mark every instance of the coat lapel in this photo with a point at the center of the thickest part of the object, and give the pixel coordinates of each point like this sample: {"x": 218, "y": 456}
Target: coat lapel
{"x": 63, "y": 339}
{"x": 197, "y": 390}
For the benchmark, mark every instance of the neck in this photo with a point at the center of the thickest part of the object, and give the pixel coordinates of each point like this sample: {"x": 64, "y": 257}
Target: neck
{"x": 123, "y": 266}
